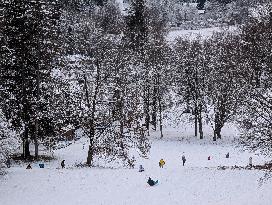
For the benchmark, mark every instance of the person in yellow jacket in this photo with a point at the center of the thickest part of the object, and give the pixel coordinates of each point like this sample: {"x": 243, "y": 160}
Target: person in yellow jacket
{"x": 161, "y": 163}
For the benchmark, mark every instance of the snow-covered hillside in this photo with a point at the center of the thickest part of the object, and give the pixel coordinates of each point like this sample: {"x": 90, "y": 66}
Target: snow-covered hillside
{"x": 198, "y": 182}
{"x": 194, "y": 34}
{"x": 111, "y": 86}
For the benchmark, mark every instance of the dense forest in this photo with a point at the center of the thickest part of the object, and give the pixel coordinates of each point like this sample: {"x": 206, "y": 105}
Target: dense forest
{"x": 89, "y": 64}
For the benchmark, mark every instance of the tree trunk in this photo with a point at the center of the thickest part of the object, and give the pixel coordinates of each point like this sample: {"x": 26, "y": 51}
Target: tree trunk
{"x": 36, "y": 143}
{"x": 90, "y": 155}
{"x": 93, "y": 110}
{"x": 200, "y": 129}
{"x": 147, "y": 115}
{"x": 214, "y": 135}
{"x": 154, "y": 115}
{"x": 200, "y": 122}
{"x": 26, "y": 151}
{"x": 218, "y": 129}
{"x": 91, "y": 147}
{"x": 219, "y": 120}
{"x": 154, "y": 108}
{"x": 91, "y": 136}
{"x": 196, "y": 116}
{"x": 216, "y": 120}
{"x": 160, "y": 109}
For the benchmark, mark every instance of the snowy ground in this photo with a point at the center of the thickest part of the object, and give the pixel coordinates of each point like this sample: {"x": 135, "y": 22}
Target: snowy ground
{"x": 199, "y": 182}
{"x": 194, "y": 34}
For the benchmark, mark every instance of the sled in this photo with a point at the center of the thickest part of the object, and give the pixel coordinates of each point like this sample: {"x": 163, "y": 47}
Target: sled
{"x": 155, "y": 183}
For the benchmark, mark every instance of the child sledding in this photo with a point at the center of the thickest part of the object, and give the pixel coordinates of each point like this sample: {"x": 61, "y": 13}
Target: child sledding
{"x": 152, "y": 182}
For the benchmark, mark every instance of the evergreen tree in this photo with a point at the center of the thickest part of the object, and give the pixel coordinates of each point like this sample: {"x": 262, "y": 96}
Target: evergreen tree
{"x": 30, "y": 31}
{"x": 136, "y": 21}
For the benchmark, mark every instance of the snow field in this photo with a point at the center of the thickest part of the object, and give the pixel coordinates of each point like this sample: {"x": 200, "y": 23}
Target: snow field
{"x": 195, "y": 34}
{"x": 198, "y": 182}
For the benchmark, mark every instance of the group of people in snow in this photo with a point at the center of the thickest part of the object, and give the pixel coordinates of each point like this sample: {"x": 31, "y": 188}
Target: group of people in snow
{"x": 150, "y": 181}
{"x": 162, "y": 162}
{"x": 141, "y": 168}
{"x": 62, "y": 164}
{"x": 183, "y": 158}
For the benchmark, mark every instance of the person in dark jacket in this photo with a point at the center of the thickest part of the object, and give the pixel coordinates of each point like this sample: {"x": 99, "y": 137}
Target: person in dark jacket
{"x": 28, "y": 166}
{"x": 141, "y": 168}
{"x": 151, "y": 182}
{"x": 62, "y": 164}
{"x": 183, "y": 160}
{"x": 250, "y": 162}
{"x": 227, "y": 155}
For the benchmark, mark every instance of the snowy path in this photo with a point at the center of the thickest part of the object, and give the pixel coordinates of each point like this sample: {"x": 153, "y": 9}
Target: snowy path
{"x": 199, "y": 182}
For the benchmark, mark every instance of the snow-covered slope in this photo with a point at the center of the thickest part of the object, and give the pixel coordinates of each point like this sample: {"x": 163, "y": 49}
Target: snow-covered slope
{"x": 194, "y": 34}
{"x": 198, "y": 182}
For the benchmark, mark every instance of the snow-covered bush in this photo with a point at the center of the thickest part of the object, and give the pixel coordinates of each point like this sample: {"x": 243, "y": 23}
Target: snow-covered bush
{"x": 9, "y": 139}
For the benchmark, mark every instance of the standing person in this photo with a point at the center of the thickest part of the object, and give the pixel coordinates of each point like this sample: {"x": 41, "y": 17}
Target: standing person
{"x": 141, "y": 168}
{"x": 183, "y": 159}
{"x": 227, "y": 155}
{"x": 161, "y": 163}
{"x": 62, "y": 164}
{"x": 250, "y": 161}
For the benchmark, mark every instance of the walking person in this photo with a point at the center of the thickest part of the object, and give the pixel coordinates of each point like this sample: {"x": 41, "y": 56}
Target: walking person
{"x": 183, "y": 160}
{"x": 250, "y": 161}
{"x": 227, "y": 155}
